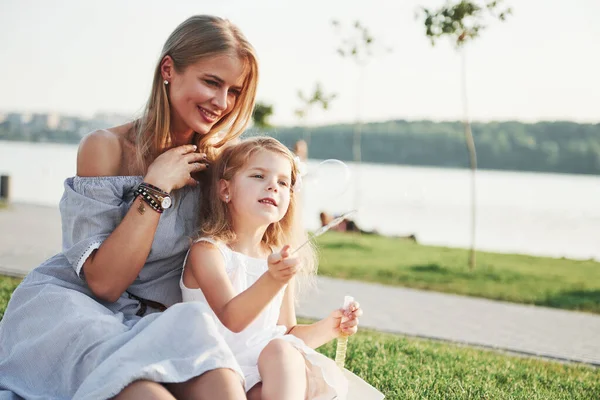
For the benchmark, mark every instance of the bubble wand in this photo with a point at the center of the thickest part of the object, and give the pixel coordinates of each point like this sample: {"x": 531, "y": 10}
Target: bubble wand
{"x": 325, "y": 228}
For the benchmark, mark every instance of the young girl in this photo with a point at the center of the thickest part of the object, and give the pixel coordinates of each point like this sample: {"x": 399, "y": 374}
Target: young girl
{"x": 244, "y": 267}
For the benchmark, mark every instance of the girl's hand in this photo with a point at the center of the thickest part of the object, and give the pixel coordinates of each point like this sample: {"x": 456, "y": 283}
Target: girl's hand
{"x": 173, "y": 168}
{"x": 282, "y": 267}
{"x": 350, "y": 316}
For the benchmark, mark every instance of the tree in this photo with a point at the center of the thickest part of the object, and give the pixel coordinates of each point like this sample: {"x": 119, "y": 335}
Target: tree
{"x": 261, "y": 114}
{"x": 462, "y": 22}
{"x": 360, "y": 47}
{"x": 317, "y": 99}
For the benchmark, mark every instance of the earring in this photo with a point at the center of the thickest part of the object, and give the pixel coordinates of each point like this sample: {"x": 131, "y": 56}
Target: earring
{"x": 226, "y": 198}
{"x": 166, "y": 82}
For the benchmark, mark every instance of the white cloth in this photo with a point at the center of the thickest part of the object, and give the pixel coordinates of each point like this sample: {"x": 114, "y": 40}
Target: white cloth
{"x": 325, "y": 379}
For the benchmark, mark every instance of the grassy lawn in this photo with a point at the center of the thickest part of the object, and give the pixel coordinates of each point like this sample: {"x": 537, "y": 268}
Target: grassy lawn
{"x": 559, "y": 283}
{"x": 408, "y": 368}
{"x": 7, "y": 285}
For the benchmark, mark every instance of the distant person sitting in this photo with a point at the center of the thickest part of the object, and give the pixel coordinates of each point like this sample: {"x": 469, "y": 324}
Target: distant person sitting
{"x": 348, "y": 225}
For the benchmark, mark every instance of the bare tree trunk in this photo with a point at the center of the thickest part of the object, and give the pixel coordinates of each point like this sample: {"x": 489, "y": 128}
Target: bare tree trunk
{"x": 356, "y": 141}
{"x": 472, "y": 157}
{"x": 307, "y": 136}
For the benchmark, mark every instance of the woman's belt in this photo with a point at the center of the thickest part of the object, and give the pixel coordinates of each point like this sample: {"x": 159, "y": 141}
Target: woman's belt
{"x": 144, "y": 304}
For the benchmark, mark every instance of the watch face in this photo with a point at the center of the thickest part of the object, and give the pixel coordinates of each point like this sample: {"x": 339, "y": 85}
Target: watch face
{"x": 166, "y": 202}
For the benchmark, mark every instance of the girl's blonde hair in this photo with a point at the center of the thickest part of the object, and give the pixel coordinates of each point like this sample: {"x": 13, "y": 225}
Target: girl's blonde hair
{"x": 216, "y": 219}
{"x": 197, "y": 38}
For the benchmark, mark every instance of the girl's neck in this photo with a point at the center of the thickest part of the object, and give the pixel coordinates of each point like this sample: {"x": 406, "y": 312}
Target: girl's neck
{"x": 248, "y": 241}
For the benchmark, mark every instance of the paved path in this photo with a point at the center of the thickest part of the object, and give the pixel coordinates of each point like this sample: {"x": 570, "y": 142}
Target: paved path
{"x": 30, "y": 234}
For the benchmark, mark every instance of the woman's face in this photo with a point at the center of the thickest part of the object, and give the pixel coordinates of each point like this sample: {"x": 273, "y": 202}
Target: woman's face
{"x": 204, "y": 93}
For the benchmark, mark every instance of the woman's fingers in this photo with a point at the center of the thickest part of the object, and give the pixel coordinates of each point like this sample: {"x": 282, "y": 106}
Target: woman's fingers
{"x": 197, "y": 167}
{"x": 195, "y": 157}
{"x": 187, "y": 148}
{"x": 191, "y": 182}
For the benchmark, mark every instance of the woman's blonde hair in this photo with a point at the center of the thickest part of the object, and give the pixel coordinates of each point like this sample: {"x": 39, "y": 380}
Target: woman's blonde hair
{"x": 216, "y": 219}
{"x": 199, "y": 37}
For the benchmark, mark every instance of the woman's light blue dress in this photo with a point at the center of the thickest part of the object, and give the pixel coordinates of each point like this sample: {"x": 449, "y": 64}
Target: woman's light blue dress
{"x": 59, "y": 342}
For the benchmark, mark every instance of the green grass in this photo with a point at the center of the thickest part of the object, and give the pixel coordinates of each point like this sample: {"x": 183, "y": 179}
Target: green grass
{"x": 409, "y": 368}
{"x": 7, "y": 285}
{"x": 560, "y": 283}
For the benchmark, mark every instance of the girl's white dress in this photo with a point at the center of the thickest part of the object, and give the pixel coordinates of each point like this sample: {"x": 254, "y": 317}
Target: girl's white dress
{"x": 325, "y": 379}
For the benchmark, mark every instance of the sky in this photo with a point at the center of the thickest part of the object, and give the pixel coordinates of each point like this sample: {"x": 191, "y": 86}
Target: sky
{"x": 80, "y": 57}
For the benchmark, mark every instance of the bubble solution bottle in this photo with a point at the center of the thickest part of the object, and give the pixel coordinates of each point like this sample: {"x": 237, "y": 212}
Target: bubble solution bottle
{"x": 342, "y": 342}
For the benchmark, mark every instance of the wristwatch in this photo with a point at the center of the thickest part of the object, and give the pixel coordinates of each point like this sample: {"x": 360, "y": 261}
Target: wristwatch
{"x": 161, "y": 197}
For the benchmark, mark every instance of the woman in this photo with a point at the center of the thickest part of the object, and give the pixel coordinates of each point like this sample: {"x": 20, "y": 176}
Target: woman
{"x": 86, "y": 324}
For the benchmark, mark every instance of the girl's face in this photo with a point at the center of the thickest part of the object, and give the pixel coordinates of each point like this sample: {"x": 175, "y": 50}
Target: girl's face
{"x": 260, "y": 191}
{"x": 204, "y": 93}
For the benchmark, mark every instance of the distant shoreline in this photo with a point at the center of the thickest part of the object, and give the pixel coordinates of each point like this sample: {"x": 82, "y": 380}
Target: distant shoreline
{"x": 370, "y": 162}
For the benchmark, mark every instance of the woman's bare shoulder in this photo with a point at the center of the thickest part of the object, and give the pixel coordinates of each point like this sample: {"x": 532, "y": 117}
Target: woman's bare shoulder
{"x": 101, "y": 152}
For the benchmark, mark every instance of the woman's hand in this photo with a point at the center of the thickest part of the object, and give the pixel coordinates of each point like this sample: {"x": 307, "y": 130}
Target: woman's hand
{"x": 173, "y": 168}
{"x": 282, "y": 267}
{"x": 350, "y": 316}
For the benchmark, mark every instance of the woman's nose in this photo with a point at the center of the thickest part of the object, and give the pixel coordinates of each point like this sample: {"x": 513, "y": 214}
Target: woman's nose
{"x": 220, "y": 99}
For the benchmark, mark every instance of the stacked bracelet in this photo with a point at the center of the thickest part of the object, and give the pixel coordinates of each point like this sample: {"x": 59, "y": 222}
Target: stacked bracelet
{"x": 148, "y": 199}
{"x": 156, "y": 198}
{"x": 153, "y": 188}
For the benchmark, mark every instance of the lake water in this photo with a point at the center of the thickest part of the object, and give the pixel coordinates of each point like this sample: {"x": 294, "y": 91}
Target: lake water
{"x": 541, "y": 214}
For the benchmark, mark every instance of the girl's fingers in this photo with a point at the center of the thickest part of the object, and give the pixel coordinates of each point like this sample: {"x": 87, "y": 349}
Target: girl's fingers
{"x": 285, "y": 251}
{"x": 290, "y": 262}
{"x": 350, "y": 323}
{"x": 287, "y": 272}
{"x": 354, "y": 314}
{"x": 350, "y": 332}
{"x": 274, "y": 258}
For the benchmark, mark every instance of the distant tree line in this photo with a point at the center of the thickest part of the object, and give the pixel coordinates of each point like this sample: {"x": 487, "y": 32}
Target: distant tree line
{"x": 564, "y": 147}
{"x": 561, "y": 146}
{"x": 43, "y": 135}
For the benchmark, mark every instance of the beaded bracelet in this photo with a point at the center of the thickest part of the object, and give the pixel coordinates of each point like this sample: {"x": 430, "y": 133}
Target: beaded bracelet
{"x": 149, "y": 199}
{"x": 150, "y": 188}
{"x": 161, "y": 197}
